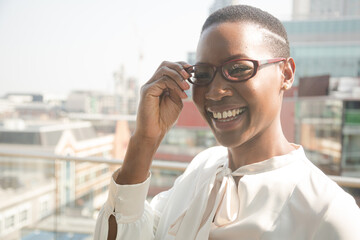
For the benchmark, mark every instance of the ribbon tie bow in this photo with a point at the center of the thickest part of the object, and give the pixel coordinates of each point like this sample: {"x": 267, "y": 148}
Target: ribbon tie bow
{"x": 227, "y": 203}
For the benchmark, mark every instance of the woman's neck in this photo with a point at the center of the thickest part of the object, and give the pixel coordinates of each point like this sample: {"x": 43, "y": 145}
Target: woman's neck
{"x": 261, "y": 147}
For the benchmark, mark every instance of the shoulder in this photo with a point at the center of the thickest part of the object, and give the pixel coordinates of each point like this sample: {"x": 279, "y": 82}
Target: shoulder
{"x": 320, "y": 197}
{"x": 319, "y": 203}
{"x": 340, "y": 215}
{"x": 320, "y": 185}
{"x": 313, "y": 183}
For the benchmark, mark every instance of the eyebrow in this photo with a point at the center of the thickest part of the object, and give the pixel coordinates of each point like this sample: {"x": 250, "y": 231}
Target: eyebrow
{"x": 237, "y": 56}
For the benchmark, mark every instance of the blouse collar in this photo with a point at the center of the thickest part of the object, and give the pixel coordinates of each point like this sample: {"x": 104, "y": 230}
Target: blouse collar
{"x": 273, "y": 163}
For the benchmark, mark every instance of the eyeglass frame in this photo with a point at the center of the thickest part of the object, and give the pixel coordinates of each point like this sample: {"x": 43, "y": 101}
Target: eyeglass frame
{"x": 257, "y": 65}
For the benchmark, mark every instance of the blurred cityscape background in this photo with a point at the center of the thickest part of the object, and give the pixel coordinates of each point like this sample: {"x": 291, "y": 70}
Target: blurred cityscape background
{"x": 58, "y": 151}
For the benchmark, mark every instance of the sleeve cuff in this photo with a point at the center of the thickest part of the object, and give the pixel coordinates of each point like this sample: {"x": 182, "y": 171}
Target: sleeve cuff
{"x": 128, "y": 201}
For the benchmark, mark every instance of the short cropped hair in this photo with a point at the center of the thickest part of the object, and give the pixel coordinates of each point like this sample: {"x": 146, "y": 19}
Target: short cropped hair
{"x": 276, "y": 36}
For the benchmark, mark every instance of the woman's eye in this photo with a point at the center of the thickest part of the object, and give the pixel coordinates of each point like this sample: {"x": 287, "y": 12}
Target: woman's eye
{"x": 198, "y": 75}
{"x": 239, "y": 69}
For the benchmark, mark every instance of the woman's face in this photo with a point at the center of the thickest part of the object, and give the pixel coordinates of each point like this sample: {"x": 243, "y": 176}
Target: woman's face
{"x": 257, "y": 101}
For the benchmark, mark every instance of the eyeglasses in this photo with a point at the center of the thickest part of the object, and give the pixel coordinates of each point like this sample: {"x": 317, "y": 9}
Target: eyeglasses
{"x": 236, "y": 70}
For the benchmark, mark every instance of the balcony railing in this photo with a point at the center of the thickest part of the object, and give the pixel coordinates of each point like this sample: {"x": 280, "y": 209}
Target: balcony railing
{"x": 46, "y": 196}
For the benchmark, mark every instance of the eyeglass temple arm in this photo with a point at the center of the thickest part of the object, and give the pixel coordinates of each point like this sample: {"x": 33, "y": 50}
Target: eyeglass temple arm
{"x": 274, "y": 60}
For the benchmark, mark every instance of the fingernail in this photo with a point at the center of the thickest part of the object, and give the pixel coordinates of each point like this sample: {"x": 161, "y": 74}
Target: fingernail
{"x": 185, "y": 85}
{"x": 185, "y": 95}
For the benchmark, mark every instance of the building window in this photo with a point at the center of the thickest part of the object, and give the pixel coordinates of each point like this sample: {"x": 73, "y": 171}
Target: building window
{"x": 23, "y": 216}
{"x": 104, "y": 170}
{"x": 44, "y": 208}
{"x": 81, "y": 179}
{"x": 68, "y": 170}
{"x": 10, "y": 222}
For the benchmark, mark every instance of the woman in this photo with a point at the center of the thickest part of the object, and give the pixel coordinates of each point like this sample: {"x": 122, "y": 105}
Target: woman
{"x": 257, "y": 185}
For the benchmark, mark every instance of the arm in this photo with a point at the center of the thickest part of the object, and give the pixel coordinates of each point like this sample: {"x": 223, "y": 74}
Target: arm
{"x": 160, "y": 106}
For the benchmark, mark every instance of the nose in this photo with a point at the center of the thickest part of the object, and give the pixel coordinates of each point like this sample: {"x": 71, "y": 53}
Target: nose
{"x": 218, "y": 89}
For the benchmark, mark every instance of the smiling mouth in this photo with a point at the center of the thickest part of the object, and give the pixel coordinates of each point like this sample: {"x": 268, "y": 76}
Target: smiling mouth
{"x": 227, "y": 115}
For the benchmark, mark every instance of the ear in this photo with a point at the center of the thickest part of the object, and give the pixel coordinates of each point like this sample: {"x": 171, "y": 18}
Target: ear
{"x": 288, "y": 74}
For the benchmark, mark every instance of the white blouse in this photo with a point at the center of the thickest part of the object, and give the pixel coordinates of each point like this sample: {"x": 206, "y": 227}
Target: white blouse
{"x": 285, "y": 197}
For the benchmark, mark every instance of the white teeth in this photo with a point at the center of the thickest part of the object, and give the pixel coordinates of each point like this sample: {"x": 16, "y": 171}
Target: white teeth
{"x": 228, "y": 113}
{"x": 224, "y": 115}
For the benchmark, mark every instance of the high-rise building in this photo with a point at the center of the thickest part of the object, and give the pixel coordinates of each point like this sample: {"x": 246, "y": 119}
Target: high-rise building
{"x": 324, "y": 9}
{"x": 325, "y": 47}
{"x": 324, "y": 38}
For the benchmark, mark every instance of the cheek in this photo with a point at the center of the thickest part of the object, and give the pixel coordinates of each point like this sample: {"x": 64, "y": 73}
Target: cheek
{"x": 198, "y": 95}
{"x": 251, "y": 92}
{"x": 262, "y": 97}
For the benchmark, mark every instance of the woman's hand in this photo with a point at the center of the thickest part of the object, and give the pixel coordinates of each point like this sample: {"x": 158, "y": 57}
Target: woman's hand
{"x": 160, "y": 106}
{"x": 161, "y": 101}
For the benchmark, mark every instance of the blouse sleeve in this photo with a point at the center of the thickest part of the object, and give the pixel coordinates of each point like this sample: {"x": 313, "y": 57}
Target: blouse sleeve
{"x": 133, "y": 214}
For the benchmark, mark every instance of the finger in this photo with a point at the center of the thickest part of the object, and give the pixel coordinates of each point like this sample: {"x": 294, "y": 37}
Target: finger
{"x": 165, "y": 84}
{"x": 187, "y": 68}
{"x": 177, "y": 66}
{"x": 160, "y": 87}
{"x": 180, "y": 68}
{"x": 184, "y": 64}
{"x": 177, "y": 77}
{"x": 173, "y": 75}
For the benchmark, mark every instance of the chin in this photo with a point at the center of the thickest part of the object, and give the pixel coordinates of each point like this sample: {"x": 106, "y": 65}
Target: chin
{"x": 229, "y": 140}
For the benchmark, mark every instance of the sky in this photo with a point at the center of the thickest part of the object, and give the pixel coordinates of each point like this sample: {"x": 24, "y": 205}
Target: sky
{"x": 57, "y": 46}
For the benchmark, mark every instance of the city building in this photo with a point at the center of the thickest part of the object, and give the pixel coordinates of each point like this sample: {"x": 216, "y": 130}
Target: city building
{"x": 325, "y": 47}
{"x": 91, "y": 102}
{"x": 321, "y": 110}
{"x": 19, "y": 208}
{"x": 325, "y": 119}
{"x": 328, "y": 123}
{"x": 31, "y": 190}
{"x": 31, "y": 106}
{"x": 325, "y": 9}
{"x": 325, "y": 38}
